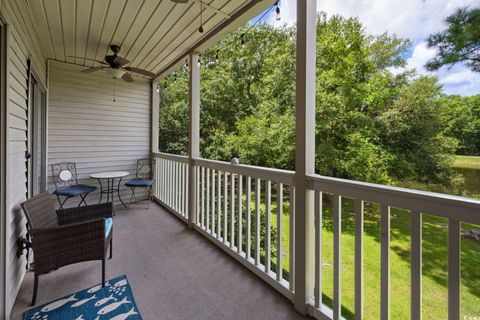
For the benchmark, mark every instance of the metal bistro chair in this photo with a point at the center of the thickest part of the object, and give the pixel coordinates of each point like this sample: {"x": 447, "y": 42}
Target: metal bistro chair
{"x": 67, "y": 236}
{"x": 66, "y": 183}
{"x": 143, "y": 179}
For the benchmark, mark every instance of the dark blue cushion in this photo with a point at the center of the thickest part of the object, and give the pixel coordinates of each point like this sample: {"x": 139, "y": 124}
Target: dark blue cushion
{"x": 139, "y": 182}
{"x": 74, "y": 191}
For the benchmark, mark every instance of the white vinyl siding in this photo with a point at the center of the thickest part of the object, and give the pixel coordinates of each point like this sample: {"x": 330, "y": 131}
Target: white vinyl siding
{"x": 86, "y": 126}
{"x": 22, "y": 44}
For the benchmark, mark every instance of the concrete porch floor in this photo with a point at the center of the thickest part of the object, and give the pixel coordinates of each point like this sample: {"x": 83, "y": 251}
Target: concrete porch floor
{"x": 174, "y": 272}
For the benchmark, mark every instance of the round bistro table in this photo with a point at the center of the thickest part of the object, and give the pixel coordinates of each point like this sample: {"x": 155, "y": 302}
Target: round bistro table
{"x": 110, "y": 176}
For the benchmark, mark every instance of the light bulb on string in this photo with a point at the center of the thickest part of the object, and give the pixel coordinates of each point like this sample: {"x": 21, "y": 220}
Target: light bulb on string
{"x": 199, "y": 63}
{"x": 201, "y": 17}
{"x": 216, "y": 57}
{"x": 277, "y": 11}
{"x": 243, "y": 40}
{"x": 175, "y": 77}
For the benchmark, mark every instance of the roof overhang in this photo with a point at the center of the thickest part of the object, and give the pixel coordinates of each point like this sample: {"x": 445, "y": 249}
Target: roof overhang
{"x": 155, "y": 35}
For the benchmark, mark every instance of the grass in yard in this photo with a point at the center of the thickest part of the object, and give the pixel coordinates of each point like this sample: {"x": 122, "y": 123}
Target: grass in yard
{"x": 434, "y": 285}
{"x": 467, "y": 162}
{"x": 435, "y": 253}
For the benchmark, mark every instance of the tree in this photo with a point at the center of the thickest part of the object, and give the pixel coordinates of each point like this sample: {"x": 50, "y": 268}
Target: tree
{"x": 459, "y": 42}
{"x": 372, "y": 124}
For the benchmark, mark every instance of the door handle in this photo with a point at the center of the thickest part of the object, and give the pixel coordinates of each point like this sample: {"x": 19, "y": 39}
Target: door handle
{"x": 28, "y": 155}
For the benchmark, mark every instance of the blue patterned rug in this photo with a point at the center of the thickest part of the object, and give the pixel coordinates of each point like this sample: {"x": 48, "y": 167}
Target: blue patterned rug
{"x": 114, "y": 302}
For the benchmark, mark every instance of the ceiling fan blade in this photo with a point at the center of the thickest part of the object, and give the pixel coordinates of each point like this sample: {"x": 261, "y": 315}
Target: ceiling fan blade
{"x": 120, "y": 61}
{"x": 102, "y": 62}
{"x": 89, "y": 70}
{"x": 140, "y": 71}
{"x": 127, "y": 77}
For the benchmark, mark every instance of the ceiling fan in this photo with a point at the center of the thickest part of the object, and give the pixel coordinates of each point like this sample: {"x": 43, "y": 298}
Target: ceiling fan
{"x": 114, "y": 65}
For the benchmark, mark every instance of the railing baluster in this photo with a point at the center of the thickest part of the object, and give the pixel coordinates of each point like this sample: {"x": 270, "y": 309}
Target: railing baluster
{"x": 416, "y": 265}
{"x": 212, "y": 223}
{"x": 175, "y": 183}
{"x": 219, "y": 204}
{"x": 385, "y": 263}
{"x": 225, "y": 207}
{"x": 232, "y": 210}
{"x": 268, "y": 195}
{"x": 279, "y": 230}
{"x": 185, "y": 189}
{"x": 358, "y": 259}
{"x": 207, "y": 218}
{"x": 337, "y": 251}
{"x": 453, "y": 269}
{"x": 197, "y": 187}
{"x": 182, "y": 189}
{"x": 202, "y": 187}
{"x": 291, "y": 277}
{"x": 239, "y": 213}
{"x": 169, "y": 183}
{"x": 257, "y": 220}
{"x": 318, "y": 247}
{"x": 249, "y": 217}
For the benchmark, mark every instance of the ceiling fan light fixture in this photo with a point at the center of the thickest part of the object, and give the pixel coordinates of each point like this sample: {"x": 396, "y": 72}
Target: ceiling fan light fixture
{"x": 115, "y": 73}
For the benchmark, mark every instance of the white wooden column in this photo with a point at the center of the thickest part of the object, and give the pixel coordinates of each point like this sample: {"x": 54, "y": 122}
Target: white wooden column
{"x": 305, "y": 153}
{"x": 194, "y": 134}
{"x": 155, "y": 114}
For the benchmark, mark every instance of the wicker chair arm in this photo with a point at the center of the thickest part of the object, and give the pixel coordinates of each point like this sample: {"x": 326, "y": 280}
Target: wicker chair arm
{"x": 84, "y": 213}
{"x": 52, "y": 243}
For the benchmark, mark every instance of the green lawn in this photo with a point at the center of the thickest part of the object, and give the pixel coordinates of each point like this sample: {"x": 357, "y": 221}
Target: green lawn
{"x": 434, "y": 263}
{"x": 467, "y": 162}
{"x": 434, "y": 246}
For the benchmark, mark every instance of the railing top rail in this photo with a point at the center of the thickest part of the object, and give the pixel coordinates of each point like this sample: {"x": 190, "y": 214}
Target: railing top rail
{"x": 272, "y": 174}
{"x": 170, "y": 156}
{"x": 444, "y": 205}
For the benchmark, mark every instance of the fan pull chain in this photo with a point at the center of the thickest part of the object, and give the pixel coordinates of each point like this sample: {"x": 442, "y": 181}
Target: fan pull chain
{"x": 113, "y": 89}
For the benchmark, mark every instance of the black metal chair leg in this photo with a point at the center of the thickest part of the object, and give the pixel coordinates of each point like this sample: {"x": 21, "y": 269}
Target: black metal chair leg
{"x": 83, "y": 200}
{"x": 103, "y": 273}
{"x": 111, "y": 247}
{"x": 62, "y": 202}
{"x": 35, "y": 289}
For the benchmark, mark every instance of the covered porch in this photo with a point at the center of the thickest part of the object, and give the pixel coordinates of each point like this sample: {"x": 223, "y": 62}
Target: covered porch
{"x": 175, "y": 274}
{"x": 212, "y": 246}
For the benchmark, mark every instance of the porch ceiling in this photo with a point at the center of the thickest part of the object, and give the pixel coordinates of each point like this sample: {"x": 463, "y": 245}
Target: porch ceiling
{"x": 154, "y": 34}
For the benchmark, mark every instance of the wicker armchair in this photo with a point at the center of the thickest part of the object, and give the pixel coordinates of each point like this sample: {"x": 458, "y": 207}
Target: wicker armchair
{"x": 67, "y": 236}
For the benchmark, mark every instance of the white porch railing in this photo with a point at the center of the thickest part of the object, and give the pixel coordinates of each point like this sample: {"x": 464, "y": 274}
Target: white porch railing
{"x": 236, "y": 206}
{"x": 237, "y": 210}
{"x": 171, "y": 187}
{"x": 455, "y": 209}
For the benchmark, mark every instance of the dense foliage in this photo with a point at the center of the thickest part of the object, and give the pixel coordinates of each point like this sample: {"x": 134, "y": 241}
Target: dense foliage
{"x": 460, "y": 42}
{"x": 375, "y": 119}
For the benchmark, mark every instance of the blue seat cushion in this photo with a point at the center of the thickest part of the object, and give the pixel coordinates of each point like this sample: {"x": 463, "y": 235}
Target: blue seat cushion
{"x": 108, "y": 226}
{"x": 74, "y": 191}
{"x": 139, "y": 182}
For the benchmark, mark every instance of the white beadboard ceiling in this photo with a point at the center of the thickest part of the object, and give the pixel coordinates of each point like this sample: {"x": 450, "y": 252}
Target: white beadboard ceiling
{"x": 153, "y": 34}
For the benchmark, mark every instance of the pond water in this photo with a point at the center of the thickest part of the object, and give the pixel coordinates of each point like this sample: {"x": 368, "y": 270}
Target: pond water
{"x": 471, "y": 184}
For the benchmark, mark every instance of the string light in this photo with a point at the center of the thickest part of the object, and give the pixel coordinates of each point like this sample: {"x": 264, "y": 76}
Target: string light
{"x": 201, "y": 17}
{"x": 277, "y": 11}
{"x": 175, "y": 77}
{"x": 242, "y": 36}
